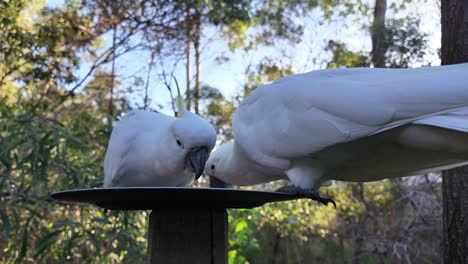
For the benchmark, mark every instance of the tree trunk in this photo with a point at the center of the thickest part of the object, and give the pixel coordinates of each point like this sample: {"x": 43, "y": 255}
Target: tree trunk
{"x": 378, "y": 34}
{"x": 196, "y": 45}
{"x": 188, "y": 42}
{"x": 455, "y": 192}
{"x": 454, "y": 31}
{"x": 455, "y": 181}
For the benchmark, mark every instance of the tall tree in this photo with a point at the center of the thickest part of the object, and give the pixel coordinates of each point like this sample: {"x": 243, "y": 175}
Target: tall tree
{"x": 378, "y": 34}
{"x": 455, "y": 181}
{"x": 244, "y": 24}
{"x": 188, "y": 41}
{"x": 196, "y": 47}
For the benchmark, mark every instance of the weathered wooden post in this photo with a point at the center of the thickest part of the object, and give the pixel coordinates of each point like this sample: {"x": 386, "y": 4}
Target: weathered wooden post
{"x": 187, "y": 236}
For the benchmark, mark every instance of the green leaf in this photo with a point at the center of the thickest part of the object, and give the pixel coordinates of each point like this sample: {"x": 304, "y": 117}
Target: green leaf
{"x": 6, "y": 223}
{"x": 241, "y": 226}
{"x": 24, "y": 242}
{"x": 46, "y": 241}
{"x": 100, "y": 220}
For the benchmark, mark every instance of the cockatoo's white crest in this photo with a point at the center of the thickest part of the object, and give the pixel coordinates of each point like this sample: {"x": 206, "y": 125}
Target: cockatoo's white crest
{"x": 180, "y": 102}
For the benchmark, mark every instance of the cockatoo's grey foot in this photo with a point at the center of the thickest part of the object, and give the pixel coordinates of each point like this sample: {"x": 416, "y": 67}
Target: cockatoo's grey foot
{"x": 307, "y": 193}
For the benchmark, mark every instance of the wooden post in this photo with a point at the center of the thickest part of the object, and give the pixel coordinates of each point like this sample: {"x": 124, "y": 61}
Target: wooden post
{"x": 188, "y": 236}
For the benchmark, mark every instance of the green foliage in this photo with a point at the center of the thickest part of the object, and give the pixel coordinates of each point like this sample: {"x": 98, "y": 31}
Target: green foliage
{"x": 52, "y": 139}
{"x": 218, "y": 111}
{"x": 404, "y": 45}
{"x": 367, "y": 222}
{"x": 45, "y": 151}
{"x": 264, "y": 23}
{"x": 48, "y": 144}
{"x": 266, "y": 71}
{"x": 342, "y": 57}
{"x": 41, "y": 50}
{"x": 226, "y": 13}
{"x": 97, "y": 91}
{"x": 405, "y": 42}
{"x": 242, "y": 244}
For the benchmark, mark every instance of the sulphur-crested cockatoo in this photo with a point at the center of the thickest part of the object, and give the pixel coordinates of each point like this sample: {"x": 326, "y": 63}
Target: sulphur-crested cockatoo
{"x": 152, "y": 149}
{"x": 356, "y": 124}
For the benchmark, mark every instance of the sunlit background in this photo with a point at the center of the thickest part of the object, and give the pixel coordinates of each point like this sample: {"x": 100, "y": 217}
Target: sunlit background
{"x": 69, "y": 69}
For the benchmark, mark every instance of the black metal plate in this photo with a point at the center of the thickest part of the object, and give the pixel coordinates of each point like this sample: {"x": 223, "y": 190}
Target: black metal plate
{"x": 144, "y": 198}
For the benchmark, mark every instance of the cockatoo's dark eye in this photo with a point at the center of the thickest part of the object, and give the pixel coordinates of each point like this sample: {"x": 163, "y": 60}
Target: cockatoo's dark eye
{"x": 213, "y": 167}
{"x": 179, "y": 143}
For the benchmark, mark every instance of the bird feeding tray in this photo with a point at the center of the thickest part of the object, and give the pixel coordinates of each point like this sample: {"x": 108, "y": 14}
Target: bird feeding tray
{"x": 148, "y": 198}
{"x": 186, "y": 225}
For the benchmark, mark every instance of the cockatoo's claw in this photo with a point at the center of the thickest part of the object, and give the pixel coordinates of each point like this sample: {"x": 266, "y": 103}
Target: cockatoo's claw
{"x": 326, "y": 200}
{"x": 307, "y": 193}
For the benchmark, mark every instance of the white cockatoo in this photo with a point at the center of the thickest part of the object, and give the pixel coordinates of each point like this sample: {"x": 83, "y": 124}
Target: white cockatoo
{"x": 355, "y": 124}
{"x": 152, "y": 149}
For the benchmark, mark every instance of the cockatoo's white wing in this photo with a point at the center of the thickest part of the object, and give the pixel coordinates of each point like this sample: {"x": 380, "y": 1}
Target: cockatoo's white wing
{"x": 124, "y": 148}
{"x": 456, "y": 120}
{"x": 302, "y": 114}
{"x": 153, "y": 149}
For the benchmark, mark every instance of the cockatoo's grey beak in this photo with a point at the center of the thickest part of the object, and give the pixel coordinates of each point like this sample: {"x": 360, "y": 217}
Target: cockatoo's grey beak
{"x": 196, "y": 159}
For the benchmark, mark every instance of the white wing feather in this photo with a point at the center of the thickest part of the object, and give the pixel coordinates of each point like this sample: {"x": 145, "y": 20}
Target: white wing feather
{"x": 302, "y": 114}
{"x": 123, "y": 142}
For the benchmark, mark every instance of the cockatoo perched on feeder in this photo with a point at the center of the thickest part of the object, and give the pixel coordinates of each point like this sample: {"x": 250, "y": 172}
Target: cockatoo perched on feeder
{"x": 355, "y": 124}
{"x": 152, "y": 149}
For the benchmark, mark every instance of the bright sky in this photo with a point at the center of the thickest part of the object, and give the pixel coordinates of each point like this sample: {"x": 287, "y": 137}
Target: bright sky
{"x": 229, "y": 76}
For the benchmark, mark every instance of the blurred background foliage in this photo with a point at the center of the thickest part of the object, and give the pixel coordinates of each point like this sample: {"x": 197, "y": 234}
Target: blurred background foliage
{"x": 56, "y": 117}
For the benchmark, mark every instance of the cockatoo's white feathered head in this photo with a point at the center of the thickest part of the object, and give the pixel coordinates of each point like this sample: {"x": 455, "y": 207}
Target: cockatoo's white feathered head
{"x": 220, "y": 164}
{"x": 194, "y": 136}
{"x": 229, "y": 164}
